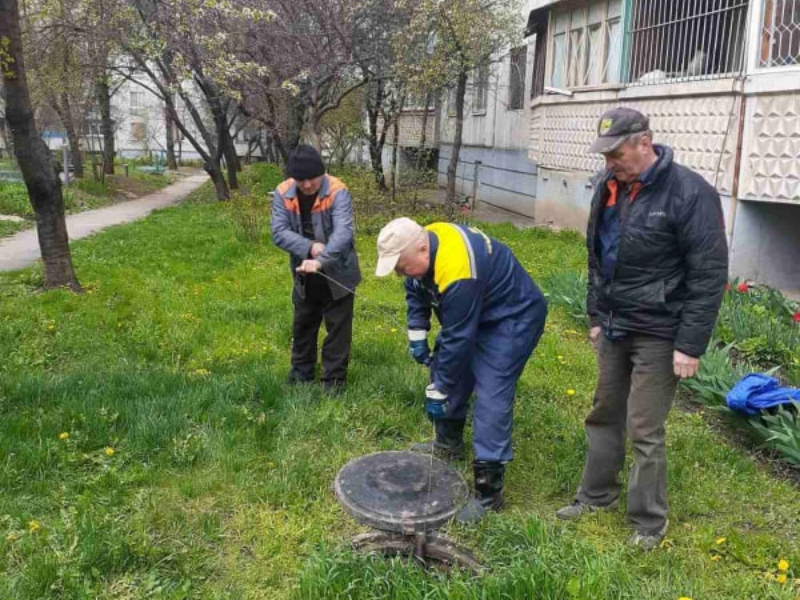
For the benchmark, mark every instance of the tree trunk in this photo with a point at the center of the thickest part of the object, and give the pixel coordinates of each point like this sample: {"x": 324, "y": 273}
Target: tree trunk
{"x": 229, "y": 151}
{"x": 297, "y": 121}
{"x": 103, "y": 98}
{"x": 422, "y": 153}
{"x": 376, "y": 140}
{"x": 220, "y": 185}
{"x": 76, "y": 157}
{"x": 395, "y": 148}
{"x": 36, "y": 164}
{"x": 172, "y": 164}
{"x": 8, "y": 144}
{"x": 452, "y": 167}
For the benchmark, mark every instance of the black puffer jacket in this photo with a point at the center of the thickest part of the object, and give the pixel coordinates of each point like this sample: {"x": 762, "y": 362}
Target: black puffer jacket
{"x": 673, "y": 259}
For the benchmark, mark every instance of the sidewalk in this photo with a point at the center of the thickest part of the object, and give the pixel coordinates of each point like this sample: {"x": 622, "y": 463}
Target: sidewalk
{"x": 22, "y": 250}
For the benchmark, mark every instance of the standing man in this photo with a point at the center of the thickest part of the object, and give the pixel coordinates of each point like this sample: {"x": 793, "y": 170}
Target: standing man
{"x": 312, "y": 220}
{"x": 658, "y": 263}
{"x": 492, "y": 316}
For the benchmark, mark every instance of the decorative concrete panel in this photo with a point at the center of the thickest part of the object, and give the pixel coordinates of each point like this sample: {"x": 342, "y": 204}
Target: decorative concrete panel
{"x": 696, "y": 129}
{"x": 563, "y": 133}
{"x": 771, "y": 163}
{"x": 701, "y": 130}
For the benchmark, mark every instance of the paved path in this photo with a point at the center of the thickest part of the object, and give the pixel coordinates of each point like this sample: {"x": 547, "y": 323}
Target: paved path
{"x": 22, "y": 249}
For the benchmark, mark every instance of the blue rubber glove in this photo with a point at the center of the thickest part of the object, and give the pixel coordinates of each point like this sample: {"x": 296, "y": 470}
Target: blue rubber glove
{"x": 435, "y": 402}
{"x": 418, "y": 346}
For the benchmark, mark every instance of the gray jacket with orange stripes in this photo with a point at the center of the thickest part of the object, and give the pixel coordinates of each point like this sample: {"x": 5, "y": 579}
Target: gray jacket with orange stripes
{"x": 332, "y": 217}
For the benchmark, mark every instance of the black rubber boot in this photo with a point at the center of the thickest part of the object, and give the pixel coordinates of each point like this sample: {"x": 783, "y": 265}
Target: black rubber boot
{"x": 489, "y": 479}
{"x": 449, "y": 442}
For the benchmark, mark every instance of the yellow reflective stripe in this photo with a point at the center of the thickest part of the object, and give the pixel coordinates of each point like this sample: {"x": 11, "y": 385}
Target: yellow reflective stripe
{"x": 454, "y": 258}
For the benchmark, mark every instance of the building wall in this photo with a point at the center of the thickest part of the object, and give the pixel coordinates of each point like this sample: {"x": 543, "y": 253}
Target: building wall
{"x": 708, "y": 124}
{"x": 766, "y": 244}
{"x": 506, "y": 177}
{"x": 410, "y": 129}
{"x": 497, "y": 137}
{"x": 701, "y": 122}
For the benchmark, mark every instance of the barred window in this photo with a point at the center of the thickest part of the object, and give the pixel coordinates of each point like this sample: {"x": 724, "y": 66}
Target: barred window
{"x": 480, "y": 89}
{"x": 586, "y": 45}
{"x": 516, "y": 77}
{"x": 780, "y": 33}
{"x": 688, "y": 40}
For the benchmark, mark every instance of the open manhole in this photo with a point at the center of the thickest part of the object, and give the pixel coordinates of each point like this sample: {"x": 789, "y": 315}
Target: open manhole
{"x": 407, "y": 496}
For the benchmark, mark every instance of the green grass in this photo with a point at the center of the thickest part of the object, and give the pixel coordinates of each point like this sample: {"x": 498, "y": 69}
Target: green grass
{"x": 219, "y": 484}
{"x": 10, "y": 227}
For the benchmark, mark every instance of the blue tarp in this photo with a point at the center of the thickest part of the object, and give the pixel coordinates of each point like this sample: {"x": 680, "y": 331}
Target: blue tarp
{"x": 755, "y": 392}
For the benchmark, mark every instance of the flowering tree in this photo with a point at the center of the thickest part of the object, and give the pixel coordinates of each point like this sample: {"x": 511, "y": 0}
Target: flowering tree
{"x": 447, "y": 40}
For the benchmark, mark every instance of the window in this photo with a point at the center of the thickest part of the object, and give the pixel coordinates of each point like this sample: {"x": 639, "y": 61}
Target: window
{"x": 702, "y": 39}
{"x": 586, "y": 45}
{"x": 417, "y": 102}
{"x": 480, "y": 90}
{"x": 138, "y": 132}
{"x": 537, "y": 25}
{"x": 137, "y": 99}
{"x": 516, "y": 77}
{"x": 780, "y": 33}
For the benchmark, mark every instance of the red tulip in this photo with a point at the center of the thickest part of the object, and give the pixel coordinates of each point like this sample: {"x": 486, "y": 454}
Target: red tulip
{"x": 796, "y": 317}
{"x": 742, "y": 287}
{"x": 727, "y": 287}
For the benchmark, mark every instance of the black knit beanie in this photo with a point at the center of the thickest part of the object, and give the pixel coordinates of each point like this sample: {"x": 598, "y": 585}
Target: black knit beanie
{"x": 305, "y": 163}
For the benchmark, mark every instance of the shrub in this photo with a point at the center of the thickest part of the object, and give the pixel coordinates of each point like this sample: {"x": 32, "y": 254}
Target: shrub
{"x": 780, "y": 431}
{"x": 759, "y": 322}
{"x": 568, "y": 290}
{"x": 262, "y": 178}
{"x": 92, "y": 187}
{"x": 249, "y": 215}
{"x": 716, "y": 376}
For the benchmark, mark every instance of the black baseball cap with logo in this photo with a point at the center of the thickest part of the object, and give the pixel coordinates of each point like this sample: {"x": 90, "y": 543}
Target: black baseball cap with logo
{"x": 616, "y": 126}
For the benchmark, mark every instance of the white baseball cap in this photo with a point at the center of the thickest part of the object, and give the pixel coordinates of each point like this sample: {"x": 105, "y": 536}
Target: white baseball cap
{"x": 396, "y": 237}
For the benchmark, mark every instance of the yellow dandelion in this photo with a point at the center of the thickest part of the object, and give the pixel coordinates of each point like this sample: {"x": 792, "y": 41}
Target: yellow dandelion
{"x": 783, "y": 565}
{"x": 720, "y": 540}
{"x": 63, "y": 435}
{"x": 34, "y": 526}
{"x": 109, "y": 451}
{"x": 570, "y": 392}
{"x": 716, "y": 558}
{"x": 684, "y": 598}
{"x": 394, "y": 329}
{"x": 781, "y": 578}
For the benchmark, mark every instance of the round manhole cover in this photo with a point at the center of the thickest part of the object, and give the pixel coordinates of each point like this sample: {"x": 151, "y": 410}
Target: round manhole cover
{"x": 389, "y": 491}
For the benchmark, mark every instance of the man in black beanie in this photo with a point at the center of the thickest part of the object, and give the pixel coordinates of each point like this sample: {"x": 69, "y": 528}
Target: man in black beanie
{"x": 312, "y": 220}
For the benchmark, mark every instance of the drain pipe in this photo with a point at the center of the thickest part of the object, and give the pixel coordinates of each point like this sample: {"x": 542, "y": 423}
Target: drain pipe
{"x": 737, "y": 168}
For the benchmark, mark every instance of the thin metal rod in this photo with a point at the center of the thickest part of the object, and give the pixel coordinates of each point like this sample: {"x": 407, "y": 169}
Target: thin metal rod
{"x": 690, "y": 17}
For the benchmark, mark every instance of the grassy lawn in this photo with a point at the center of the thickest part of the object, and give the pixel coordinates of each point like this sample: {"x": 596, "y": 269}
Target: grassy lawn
{"x": 149, "y": 448}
